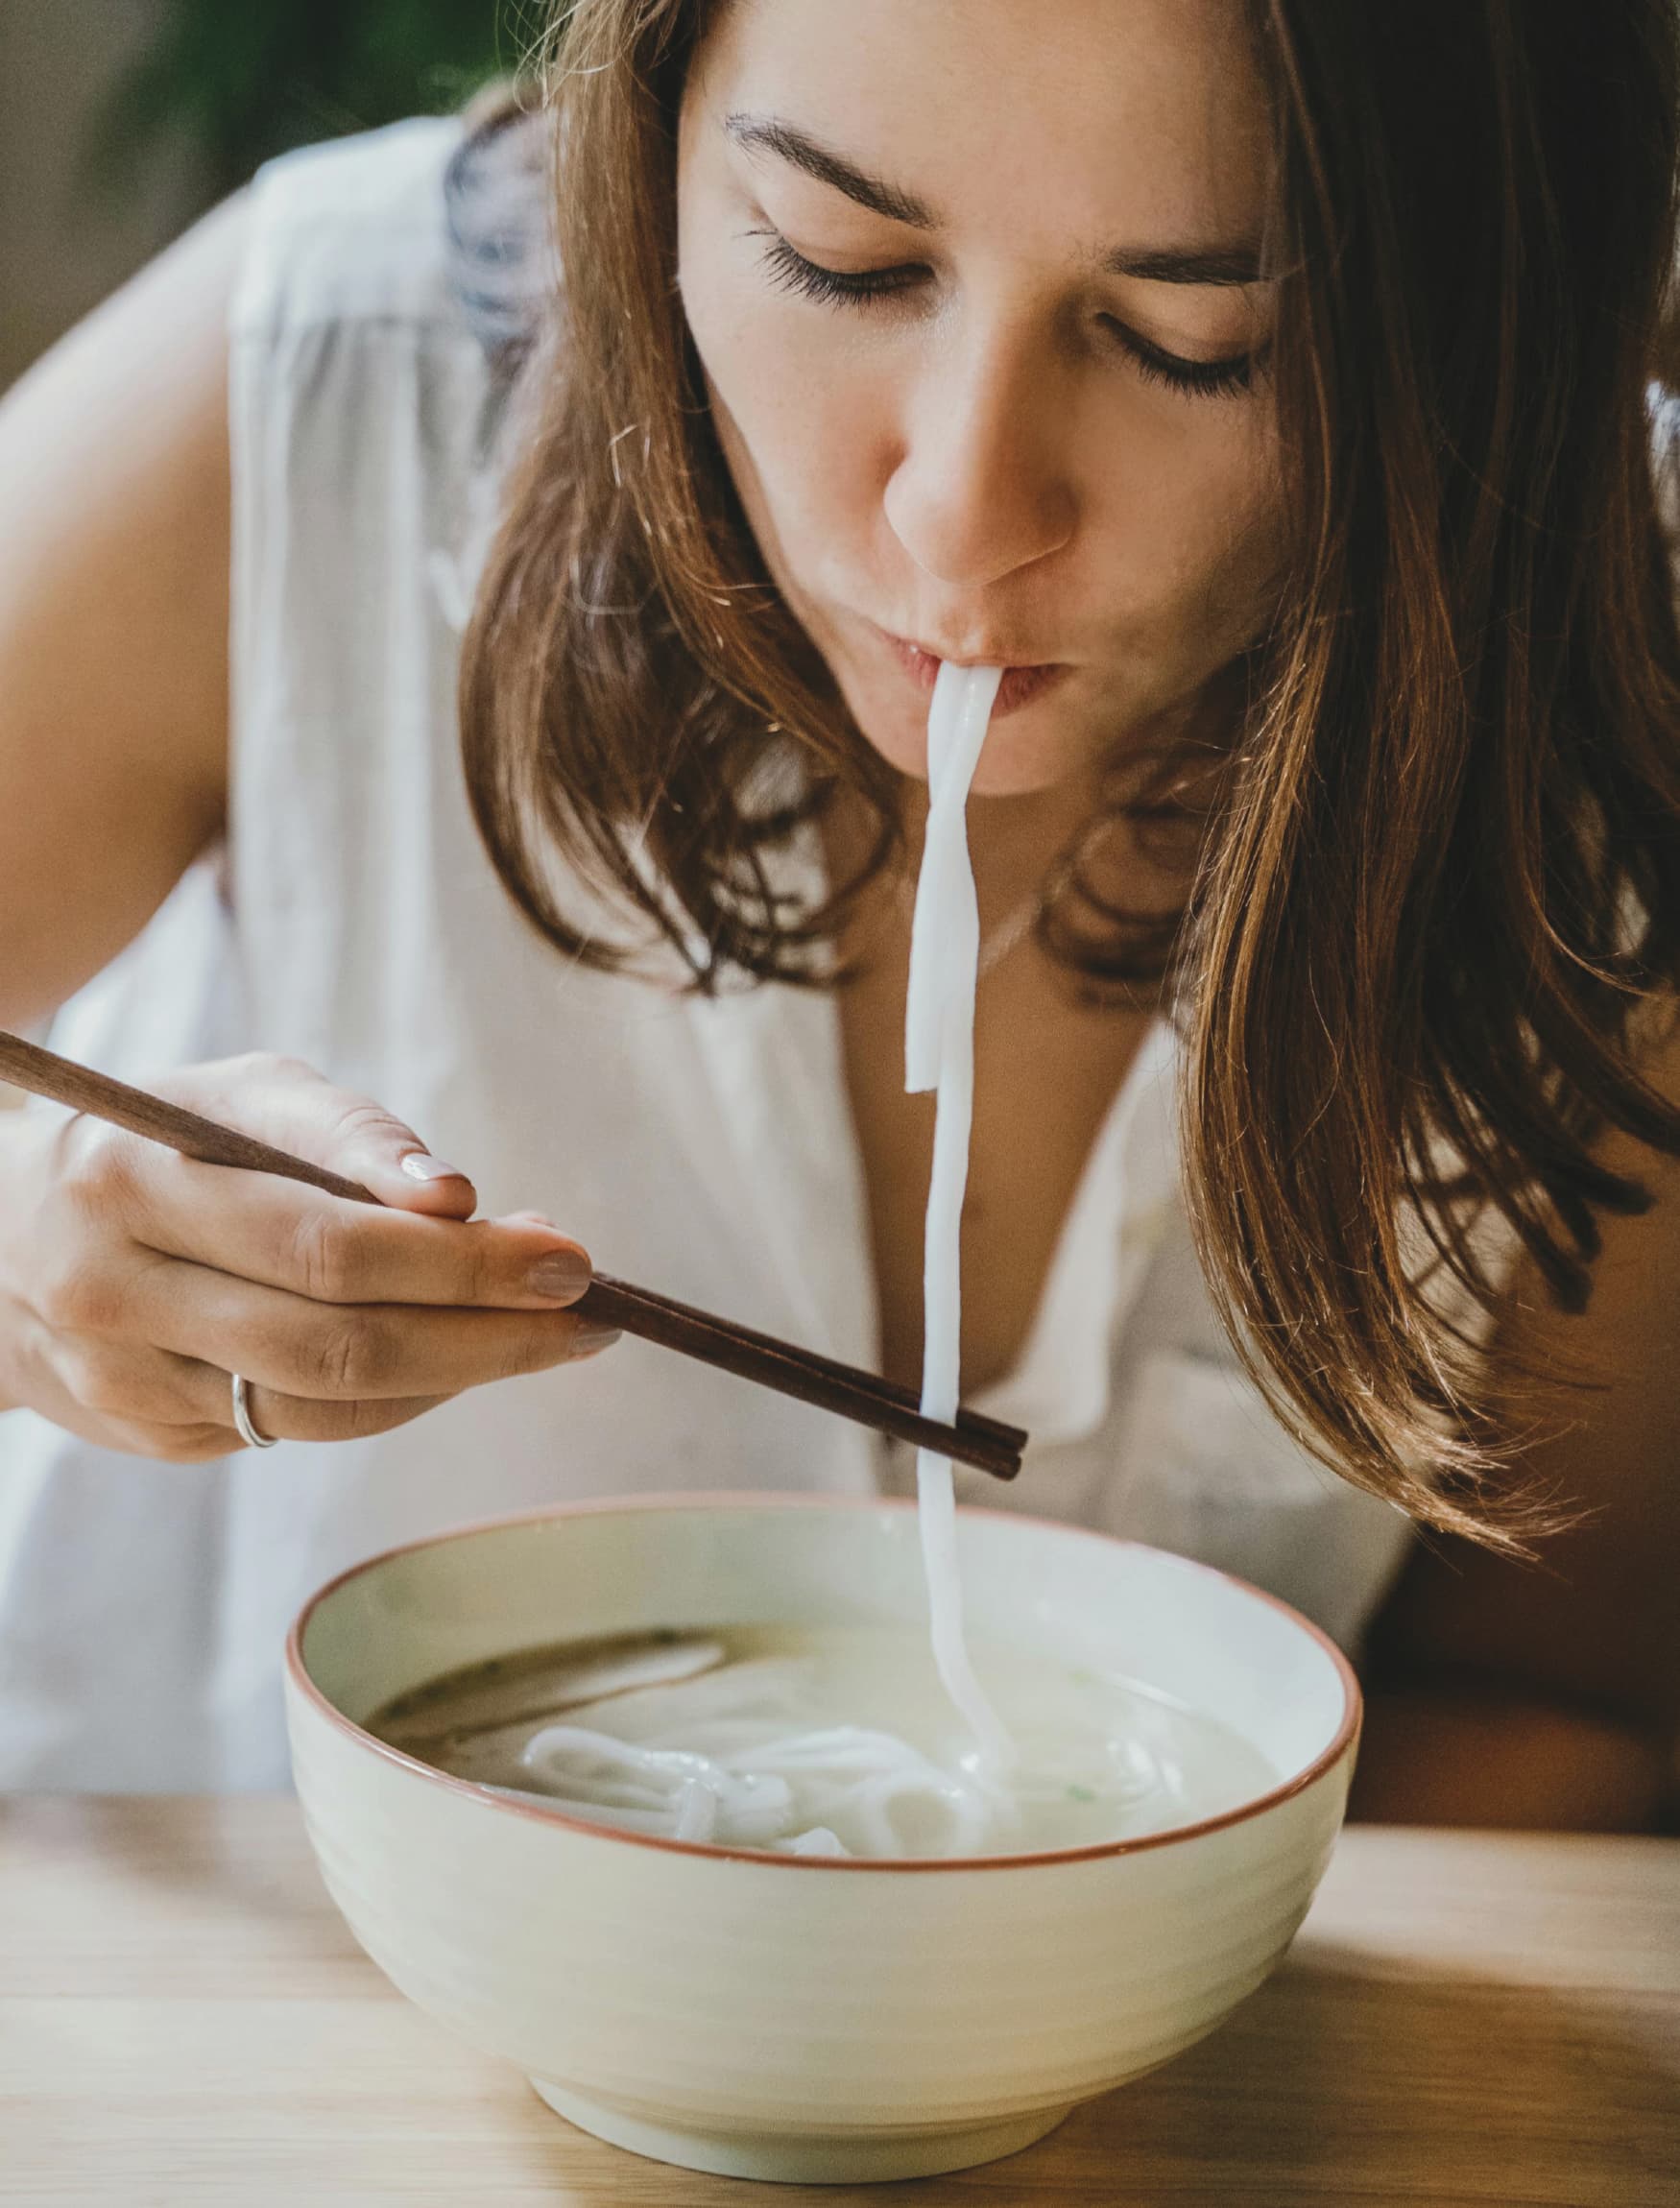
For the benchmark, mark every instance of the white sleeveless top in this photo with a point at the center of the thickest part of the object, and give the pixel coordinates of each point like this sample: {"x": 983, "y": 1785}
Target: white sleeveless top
{"x": 705, "y": 1147}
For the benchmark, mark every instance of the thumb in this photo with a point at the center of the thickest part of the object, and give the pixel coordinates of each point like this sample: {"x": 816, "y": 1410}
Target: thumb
{"x": 288, "y": 1104}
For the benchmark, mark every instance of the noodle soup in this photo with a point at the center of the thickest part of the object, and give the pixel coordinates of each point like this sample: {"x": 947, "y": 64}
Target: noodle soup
{"x": 838, "y": 1740}
{"x": 763, "y": 2013}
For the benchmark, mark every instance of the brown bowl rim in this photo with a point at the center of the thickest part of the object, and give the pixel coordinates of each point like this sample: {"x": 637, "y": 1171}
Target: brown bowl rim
{"x": 594, "y": 1506}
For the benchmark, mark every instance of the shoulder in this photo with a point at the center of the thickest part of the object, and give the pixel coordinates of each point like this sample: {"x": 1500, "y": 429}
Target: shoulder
{"x": 349, "y": 232}
{"x": 438, "y": 223}
{"x": 499, "y": 189}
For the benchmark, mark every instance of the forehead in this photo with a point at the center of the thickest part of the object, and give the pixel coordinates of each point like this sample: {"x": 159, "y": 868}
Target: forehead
{"x": 1102, "y": 121}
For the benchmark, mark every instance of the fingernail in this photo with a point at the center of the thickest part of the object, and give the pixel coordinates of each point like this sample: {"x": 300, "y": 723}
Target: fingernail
{"x": 418, "y": 1166}
{"x": 562, "y": 1274}
{"x": 590, "y": 1337}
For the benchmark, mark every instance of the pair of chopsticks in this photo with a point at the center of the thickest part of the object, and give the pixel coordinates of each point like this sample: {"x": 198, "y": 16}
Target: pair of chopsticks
{"x": 985, "y": 1443}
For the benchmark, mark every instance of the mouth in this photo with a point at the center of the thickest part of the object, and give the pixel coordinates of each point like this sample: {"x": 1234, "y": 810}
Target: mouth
{"x": 1021, "y": 684}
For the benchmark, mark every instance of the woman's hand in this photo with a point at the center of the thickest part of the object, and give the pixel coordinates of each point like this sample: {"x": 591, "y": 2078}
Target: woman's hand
{"x": 135, "y": 1282}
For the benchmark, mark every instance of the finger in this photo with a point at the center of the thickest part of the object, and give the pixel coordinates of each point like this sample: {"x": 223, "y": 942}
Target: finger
{"x": 286, "y": 1235}
{"x": 283, "y": 1102}
{"x": 153, "y": 1403}
{"x": 110, "y": 1406}
{"x": 280, "y": 1417}
{"x": 338, "y": 1353}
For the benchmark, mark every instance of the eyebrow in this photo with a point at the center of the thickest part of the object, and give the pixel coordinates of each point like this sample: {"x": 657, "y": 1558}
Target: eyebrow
{"x": 1238, "y": 264}
{"x": 1223, "y": 265}
{"x": 764, "y": 134}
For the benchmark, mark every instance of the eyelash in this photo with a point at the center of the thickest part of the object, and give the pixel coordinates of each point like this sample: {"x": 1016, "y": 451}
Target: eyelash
{"x": 792, "y": 272}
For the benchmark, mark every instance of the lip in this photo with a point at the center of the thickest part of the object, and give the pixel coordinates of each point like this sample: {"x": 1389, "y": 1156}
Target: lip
{"x": 1021, "y": 684}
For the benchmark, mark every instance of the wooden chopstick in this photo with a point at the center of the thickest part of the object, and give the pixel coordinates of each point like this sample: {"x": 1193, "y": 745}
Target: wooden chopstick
{"x": 865, "y": 1398}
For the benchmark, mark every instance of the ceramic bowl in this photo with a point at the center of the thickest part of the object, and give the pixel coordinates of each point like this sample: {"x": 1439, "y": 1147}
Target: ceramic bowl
{"x": 802, "y": 2017}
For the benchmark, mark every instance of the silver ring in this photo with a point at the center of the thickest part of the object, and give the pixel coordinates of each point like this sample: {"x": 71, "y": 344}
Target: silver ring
{"x": 243, "y": 1419}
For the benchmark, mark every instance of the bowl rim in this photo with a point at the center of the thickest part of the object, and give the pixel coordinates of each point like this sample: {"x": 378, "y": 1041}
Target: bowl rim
{"x": 1341, "y": 1744}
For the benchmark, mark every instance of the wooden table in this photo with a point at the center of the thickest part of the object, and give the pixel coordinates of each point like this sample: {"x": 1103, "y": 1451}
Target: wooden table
{"x": 1467, "y": 2018}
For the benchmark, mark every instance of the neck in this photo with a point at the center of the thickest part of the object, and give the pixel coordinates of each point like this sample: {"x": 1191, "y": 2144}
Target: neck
{"x": 1015, "y": 843}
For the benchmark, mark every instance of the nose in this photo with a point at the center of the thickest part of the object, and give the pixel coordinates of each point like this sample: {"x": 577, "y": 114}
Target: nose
{"x": 980, "y": 486}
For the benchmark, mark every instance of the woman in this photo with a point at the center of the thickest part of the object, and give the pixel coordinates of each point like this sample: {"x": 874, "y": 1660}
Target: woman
{"x": 1265, "y": 387}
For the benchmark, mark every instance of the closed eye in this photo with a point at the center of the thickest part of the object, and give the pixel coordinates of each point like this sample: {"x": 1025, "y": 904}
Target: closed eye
{"x": 791, "y": 271}
{"x": 1201, "y": 378}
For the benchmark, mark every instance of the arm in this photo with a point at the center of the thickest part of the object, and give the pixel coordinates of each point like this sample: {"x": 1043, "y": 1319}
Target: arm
{"x": 113, "y": 619}
{"x": 1549, "y": 1694}
{"x": 132, "y": 1282}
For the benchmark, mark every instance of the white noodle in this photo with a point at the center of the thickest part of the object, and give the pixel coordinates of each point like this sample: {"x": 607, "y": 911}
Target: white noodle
{"x": 776, "y": 1786}
{"x": 939, "y": 1054}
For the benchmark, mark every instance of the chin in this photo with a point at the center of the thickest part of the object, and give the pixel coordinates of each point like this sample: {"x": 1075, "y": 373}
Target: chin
{"x": 1012, "y": 768}
{"x": 1023, "y": 756}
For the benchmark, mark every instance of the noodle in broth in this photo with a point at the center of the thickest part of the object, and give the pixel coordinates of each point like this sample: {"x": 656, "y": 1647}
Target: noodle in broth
{"x": 837, "y": 1741}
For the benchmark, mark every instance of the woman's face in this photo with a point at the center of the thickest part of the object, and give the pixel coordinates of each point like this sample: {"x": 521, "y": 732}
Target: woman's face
{"x": 968, "y": 279}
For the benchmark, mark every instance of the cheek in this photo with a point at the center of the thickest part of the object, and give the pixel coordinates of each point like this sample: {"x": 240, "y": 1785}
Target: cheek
{"x": 798, "y": 420}
{"x": 1245, "y": 558}
{"x": 1198, "y": 526}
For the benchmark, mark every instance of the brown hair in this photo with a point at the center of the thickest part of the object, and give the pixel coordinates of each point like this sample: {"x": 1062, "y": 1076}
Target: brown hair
{"x": 1435, "y": 916}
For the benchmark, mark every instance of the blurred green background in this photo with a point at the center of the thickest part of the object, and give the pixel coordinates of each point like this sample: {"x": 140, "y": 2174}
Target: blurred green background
{"x": 122, "y": 120}
{"x": 240, "y": 80}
